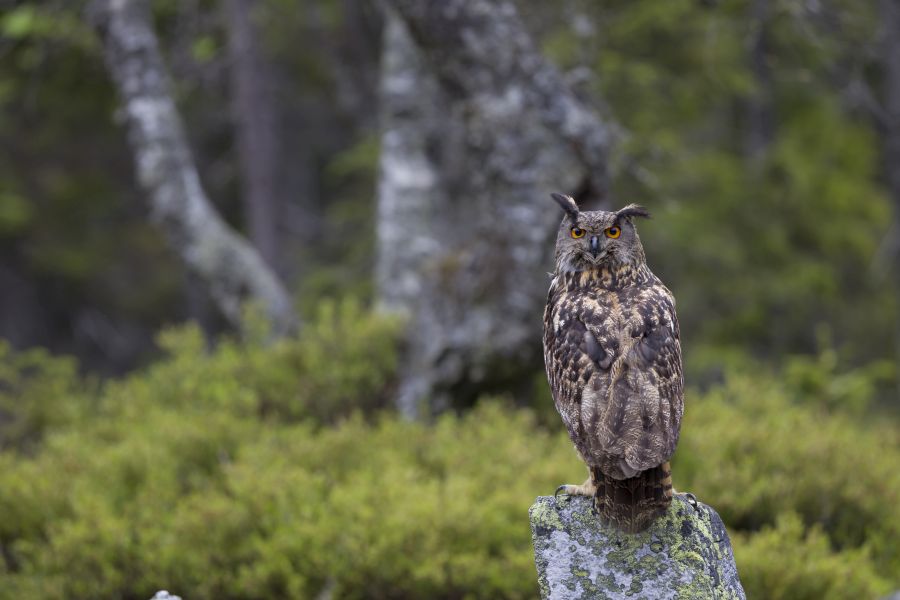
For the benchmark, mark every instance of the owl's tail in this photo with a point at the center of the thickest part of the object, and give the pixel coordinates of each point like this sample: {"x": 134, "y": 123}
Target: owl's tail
{"x": 630, "y": 505}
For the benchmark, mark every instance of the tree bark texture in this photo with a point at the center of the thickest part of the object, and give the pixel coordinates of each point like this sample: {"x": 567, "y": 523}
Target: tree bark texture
{"x": 480, "y": 48}
{"x": 231, "y": 268}
{"x": 760, "y": 106}
{"x": 410, "y": 191}
{"x": 255, "y": 119}
{"x": 890, "y": 10}
{"x": 478, "y": 129}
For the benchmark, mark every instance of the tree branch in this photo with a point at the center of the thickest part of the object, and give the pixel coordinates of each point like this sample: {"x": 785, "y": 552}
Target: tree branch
{"x": 232, "y": 269}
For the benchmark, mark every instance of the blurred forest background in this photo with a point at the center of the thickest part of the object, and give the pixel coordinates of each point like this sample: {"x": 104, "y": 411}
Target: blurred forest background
{"x": 272, "y": 274}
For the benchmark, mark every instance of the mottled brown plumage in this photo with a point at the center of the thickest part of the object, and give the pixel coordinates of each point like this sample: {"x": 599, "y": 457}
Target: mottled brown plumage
{"x": 613, "y": 359}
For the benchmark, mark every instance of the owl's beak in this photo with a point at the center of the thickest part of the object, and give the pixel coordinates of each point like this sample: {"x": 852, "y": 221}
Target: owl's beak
{"x": 595, "y": 245}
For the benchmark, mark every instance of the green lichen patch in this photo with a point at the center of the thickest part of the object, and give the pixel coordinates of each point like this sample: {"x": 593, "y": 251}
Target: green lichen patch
{"x": 684, "y": 554}
{"x": 545, "y": 516}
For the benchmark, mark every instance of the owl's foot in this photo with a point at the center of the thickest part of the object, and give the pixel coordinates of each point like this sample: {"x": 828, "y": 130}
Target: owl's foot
{"x": 692, "y": 500}
{"x": 585, "y": 489}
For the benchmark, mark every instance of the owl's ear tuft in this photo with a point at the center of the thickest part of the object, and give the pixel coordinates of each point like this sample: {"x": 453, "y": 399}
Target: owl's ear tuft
{"x": 632, "y": 210}
{"x": 567, "y": 203}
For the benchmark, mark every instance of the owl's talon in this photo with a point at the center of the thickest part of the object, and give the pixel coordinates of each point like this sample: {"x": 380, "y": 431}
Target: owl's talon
{"x": 692, "y": 500}
{"x": 565, "y": 488}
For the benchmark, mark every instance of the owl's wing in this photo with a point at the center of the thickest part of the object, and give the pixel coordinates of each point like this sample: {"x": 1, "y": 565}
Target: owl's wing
{"x": 568, "y": 361}
{"x": 640, "y": 419}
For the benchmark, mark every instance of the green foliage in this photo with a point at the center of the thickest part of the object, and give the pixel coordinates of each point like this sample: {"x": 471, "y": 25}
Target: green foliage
{"x": 349, "y": 356}
{"x": 345, "y": 256}
{"x": 760, "y": 249}
{"x": 819, "y": 379}
{"x": 343, "y": 361}
{"x": 204, "y": 49}
{"x": 30, "y": 21}
{"x": 754, "y": 452}
{"x": 15, "y": 213}
{"x": 787, "y": 562}
{"x": 177, "y": 481}
{"x": 210, "y": 473}
{"x": 37, "y": 392}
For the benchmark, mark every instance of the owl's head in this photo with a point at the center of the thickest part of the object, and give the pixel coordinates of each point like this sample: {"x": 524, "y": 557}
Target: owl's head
{"x": 597, "y": 238}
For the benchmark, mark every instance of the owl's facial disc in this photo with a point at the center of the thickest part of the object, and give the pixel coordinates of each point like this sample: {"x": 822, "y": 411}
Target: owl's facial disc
{"x": 597, "y": 239}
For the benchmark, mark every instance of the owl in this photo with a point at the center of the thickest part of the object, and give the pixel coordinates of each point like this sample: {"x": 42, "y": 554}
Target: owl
{"x": 613, "y": 359}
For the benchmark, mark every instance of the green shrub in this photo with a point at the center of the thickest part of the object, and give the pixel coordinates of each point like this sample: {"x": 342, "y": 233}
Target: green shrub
{"x": 348, "y": 356}
{"x": 37, "y": 392}
{"x": 343, "y": 361}
{"x": 246, "y": 472}
{"x": 217, "y": 506}
{"x": 786, "y": 562}
{"x": 753, "y": 453}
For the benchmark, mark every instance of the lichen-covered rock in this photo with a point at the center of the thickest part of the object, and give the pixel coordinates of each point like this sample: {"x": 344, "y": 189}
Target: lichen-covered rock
{"x": 685, "y": 554}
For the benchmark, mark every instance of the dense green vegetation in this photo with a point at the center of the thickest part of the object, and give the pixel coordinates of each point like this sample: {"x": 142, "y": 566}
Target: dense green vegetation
{"x": 254, "y": 471}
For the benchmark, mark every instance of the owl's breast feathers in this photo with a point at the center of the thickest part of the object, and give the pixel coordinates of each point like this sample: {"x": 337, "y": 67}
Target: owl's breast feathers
{"x": 613, "y": 358}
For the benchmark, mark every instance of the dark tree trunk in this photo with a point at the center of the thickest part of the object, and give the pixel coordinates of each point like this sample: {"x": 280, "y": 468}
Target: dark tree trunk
{"x": 890, "y": 10}
{"x": 760, "y": 106}
{"x": 255, "y": 118}
{"x": 478, "y": 129}
{"x": 231, "y": 268}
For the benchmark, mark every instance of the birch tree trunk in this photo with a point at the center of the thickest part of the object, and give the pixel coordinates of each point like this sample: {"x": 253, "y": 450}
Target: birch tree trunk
{"x": 478, "y": 129}
{"x": 414, "y": 119}
{"x": 255, "y": 119}
{"x": 231, "y": 268}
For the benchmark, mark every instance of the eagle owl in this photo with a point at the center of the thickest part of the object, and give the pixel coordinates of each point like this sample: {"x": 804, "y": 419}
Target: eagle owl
{"x": 613, "y": 358}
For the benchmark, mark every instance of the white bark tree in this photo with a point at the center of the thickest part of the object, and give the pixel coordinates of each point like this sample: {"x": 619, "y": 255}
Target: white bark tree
{"x": 478, "y": 129}
{"x": 231, "y": 268}
{"x": 410, "y": 194}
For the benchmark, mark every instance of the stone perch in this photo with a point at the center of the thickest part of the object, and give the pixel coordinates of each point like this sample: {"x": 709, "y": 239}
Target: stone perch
{"x": 686, "y": 554}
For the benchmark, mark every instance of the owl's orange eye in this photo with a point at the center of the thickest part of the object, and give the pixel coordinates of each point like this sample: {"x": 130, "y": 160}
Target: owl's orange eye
{"x": 613, "y": 232}
{"x": 577, "y": 233}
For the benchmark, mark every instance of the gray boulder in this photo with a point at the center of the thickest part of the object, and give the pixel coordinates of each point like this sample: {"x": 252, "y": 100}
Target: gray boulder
{"x": 686, "y": 553}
